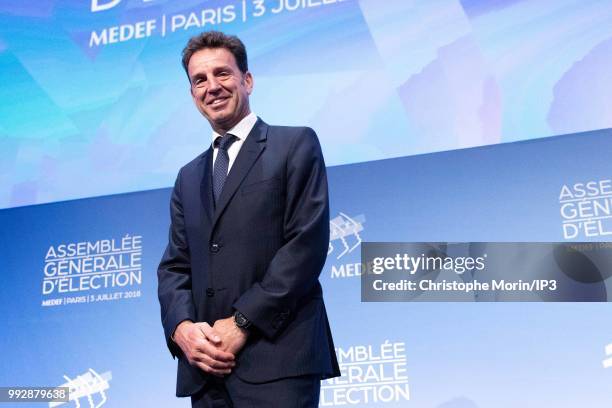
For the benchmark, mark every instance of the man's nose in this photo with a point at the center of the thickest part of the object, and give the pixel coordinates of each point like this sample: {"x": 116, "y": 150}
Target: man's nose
{"x": 213, "y": 85}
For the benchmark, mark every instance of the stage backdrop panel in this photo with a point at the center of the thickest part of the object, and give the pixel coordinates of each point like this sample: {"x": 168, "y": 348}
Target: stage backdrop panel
{"x": 99, "y": 330}
{"x": 93, "y": 99}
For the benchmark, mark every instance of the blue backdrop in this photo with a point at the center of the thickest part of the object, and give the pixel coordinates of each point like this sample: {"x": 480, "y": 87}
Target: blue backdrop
{"x": 396, "y": 354}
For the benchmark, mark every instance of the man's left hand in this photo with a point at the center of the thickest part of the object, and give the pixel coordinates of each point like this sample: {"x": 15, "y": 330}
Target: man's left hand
{"x": 233, "y": 337}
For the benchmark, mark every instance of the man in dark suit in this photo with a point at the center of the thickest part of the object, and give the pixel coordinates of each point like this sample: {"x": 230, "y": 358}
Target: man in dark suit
{"x": 241, "y": 303}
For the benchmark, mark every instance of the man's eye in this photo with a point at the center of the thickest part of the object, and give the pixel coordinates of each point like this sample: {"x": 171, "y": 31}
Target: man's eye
{"x": 198, "y": 82}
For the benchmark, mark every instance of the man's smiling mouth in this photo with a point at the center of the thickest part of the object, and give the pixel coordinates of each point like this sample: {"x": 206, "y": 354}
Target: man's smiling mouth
{"x": 217, "y": 101}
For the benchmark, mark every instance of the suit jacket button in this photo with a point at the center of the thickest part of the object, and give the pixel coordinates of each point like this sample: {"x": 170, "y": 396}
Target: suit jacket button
{"x": 214, "y": 248}
{"x": 210, "y": 292}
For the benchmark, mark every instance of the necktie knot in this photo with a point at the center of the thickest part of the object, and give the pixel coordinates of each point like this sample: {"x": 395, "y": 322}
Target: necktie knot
{"x": 224, "y": 142}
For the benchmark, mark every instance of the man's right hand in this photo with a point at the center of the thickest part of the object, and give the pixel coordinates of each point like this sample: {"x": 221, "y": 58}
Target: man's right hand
{"x": 200, "y": 344}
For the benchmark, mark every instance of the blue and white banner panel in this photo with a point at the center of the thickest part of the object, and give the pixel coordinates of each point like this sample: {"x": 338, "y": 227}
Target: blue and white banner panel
{"x": 81, "y": 310}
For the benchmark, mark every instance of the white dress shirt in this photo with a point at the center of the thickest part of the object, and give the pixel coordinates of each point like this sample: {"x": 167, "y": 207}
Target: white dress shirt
{"x": 241, "y": 131}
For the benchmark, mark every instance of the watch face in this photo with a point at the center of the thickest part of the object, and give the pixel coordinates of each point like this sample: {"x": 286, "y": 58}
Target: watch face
{"x": 241, "y": 321}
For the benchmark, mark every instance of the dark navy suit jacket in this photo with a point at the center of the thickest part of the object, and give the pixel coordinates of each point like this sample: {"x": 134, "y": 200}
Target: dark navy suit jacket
{"x": 260, "y": 251}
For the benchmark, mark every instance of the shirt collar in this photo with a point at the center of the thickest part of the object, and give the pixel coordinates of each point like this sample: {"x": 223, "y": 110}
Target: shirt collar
{"x": 242, "y": 129}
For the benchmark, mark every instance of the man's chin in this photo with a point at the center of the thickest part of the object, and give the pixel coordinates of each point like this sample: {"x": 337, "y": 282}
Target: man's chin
{"x": 217, "y": 117}
{"x": 225, "y": 122}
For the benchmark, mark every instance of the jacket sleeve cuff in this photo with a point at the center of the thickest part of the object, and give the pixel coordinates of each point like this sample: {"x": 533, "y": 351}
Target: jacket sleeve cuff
{"x": 265, "y": 316}
{"x": 170, "y": 326}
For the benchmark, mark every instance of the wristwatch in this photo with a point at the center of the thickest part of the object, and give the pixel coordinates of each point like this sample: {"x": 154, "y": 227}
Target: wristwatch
{"x": 241, "y": 321}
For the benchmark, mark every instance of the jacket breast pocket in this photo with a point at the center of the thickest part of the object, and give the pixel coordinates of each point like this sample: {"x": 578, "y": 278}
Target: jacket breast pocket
{"x": 271, "y": 184}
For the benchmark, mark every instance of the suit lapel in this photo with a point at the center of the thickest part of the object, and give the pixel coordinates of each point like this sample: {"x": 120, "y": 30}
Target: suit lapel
{"x": 206, "y": 194}
{"x": 253, "y": 146}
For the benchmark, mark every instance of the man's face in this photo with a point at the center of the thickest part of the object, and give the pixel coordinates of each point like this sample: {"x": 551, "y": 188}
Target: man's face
{"x": 219, "y": 89}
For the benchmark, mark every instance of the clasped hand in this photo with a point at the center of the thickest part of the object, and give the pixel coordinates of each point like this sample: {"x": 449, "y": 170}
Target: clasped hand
{"x": 212, "y": 349}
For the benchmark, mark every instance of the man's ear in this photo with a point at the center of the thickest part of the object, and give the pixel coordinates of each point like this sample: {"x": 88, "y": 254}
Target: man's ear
{"x": 248, "y": 81}
{"x": 191, "y": 92}
{"x": 190, "y": 84}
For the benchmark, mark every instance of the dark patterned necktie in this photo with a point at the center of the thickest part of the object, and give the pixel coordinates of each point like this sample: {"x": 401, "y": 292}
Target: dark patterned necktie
{"x": 221, "y": 163}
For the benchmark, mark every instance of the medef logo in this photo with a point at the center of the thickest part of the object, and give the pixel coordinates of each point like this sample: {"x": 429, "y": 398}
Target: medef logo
{"x": 586, "y": 209}
{"x": 345, "y": 238}
{"x": 607, "y": 363}
{"x": 342, "y": 229}
{"x": 87, "y": 389}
